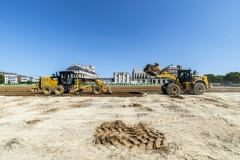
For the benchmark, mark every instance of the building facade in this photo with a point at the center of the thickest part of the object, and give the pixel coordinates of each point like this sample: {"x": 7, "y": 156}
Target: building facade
{"x": 22, "y": 78}
{"x": 83, "y": 71}
{"x": 122, "y": 77}
{"x": 9, "y": 78}
{"x": 34, "y": 79}
{"x": 173, "y": 70}
{"x": 139, "y": 73}
{"x": 139, "y": 76}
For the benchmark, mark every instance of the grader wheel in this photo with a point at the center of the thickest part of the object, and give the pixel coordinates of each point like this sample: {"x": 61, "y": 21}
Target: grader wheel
{"x": 59, "y": 90}
{"x": 47, "y": 90}
{"x": 97, "y": 90}
{"x": 173, "y": 89}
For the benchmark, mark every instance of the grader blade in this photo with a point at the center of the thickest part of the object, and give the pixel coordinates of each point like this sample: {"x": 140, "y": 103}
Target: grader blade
{"x": 107, "y": 90}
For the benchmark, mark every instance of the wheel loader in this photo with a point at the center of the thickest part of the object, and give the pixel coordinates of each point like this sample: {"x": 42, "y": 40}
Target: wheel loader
{"x": 185, "y": 81}
{"x": 65, "y": 81}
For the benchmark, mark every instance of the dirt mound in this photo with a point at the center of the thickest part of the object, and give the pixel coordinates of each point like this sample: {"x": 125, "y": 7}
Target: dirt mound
{"x": 177, "y": 96}
{"x": 138, "y": 137}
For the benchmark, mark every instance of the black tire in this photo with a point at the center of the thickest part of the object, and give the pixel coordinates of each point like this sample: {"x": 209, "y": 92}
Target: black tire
{"x": 173, "y": 89}
{"x": 163, "y": 88}
{"x": 97, "y": 90}
{"x": 67, "y": 91}
{"x": 80, "y": 91}
{"x": 47, "y": 90}
{"x": 59, "y": 90}
{"x": 199, "y": 88}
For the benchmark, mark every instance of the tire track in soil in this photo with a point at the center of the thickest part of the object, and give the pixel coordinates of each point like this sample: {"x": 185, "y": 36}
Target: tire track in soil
{"x": 136, "y": 138}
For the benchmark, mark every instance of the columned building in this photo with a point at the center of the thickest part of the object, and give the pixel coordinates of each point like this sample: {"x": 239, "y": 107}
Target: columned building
{"x": 9, "y": 77}
{"x": 83, "y": 71}
{"x": 122, "y": 77}
{"x": 139, "y": 76}
{"x": 139, "y": 73}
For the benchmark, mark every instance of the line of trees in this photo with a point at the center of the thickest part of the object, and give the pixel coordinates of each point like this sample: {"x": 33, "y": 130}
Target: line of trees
{"x": 1, "y": 79}
{"x": 233, "y": 77}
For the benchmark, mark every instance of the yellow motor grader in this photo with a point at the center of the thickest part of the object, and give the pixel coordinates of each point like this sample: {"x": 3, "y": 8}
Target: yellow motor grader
{"x": 66, "y": 81}
{"x": 185, "y": 80}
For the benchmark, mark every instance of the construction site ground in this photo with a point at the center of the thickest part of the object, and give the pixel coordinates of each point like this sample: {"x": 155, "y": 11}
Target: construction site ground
{"x": 118, "y": 91}
{"x": 132, "y": 123}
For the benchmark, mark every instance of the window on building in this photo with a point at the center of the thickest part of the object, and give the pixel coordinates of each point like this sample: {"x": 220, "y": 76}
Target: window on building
{"x": 163, "y": 81}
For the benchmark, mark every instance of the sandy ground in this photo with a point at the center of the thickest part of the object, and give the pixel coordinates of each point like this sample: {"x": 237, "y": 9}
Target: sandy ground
{"x": 196, "y": 127}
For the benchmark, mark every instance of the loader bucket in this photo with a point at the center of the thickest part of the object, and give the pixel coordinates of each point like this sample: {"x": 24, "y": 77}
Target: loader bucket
{"x": 152, "y": 70}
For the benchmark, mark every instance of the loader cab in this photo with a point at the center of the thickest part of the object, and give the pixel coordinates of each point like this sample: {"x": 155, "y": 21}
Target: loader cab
{"x": 185, "y": 75}
{"x": 66, "y": 77}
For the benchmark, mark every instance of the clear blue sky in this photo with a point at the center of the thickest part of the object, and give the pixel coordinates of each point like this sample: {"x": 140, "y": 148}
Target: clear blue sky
{"x": 39, "y": 37}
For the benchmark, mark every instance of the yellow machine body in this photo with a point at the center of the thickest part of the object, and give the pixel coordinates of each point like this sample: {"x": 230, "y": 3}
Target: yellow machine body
{"x": 65, "y": 81}
{"x": 186, "y": 85}
{"x": 46, "y": 81}
{"x": 185, "y": 80}
{"x": 97, "y": 86}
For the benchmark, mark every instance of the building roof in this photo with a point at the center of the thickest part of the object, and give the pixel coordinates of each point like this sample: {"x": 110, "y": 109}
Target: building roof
{"x": 172, "y": 67}
{"x": 138, "y": 70}
{"x": 79, "y": 68}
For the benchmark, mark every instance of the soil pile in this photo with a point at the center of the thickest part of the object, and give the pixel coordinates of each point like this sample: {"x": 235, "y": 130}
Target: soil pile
{"x": 152, "y": 70}
{"x": 138, "y": 137}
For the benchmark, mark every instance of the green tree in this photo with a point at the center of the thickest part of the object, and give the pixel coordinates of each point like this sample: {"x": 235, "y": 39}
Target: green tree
{"x": 29, "y": 82}
{"x": 219, "y": 78}
{"x": 211, "y": 78}
{"x": 233, "y": 77}
{"x": 214, "y": 79}
{"x": 1, "y": 79}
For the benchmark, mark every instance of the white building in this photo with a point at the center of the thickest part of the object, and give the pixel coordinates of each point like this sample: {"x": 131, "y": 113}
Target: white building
{"x": 34, "y": 78}
{"x": 22, "y": 78}
{"x": 9, "y": 77}
{"x": 139, "y": 76}
{"x": 83, "y": 71}
{"x": 173, "y": 70}
{"x": 122, "y": 77}
{"x": 139, "y": 73}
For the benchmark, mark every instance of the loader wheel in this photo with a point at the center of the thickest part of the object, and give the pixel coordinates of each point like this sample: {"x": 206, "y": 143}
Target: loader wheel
{"x": 173, "y": 89}
{"x": 97, "y": 90}
{"x": 199, "y": 88}
{"x": 163, "y": 88}
{"x": 47, "y": 90}
{"x": 59, "y": 90}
